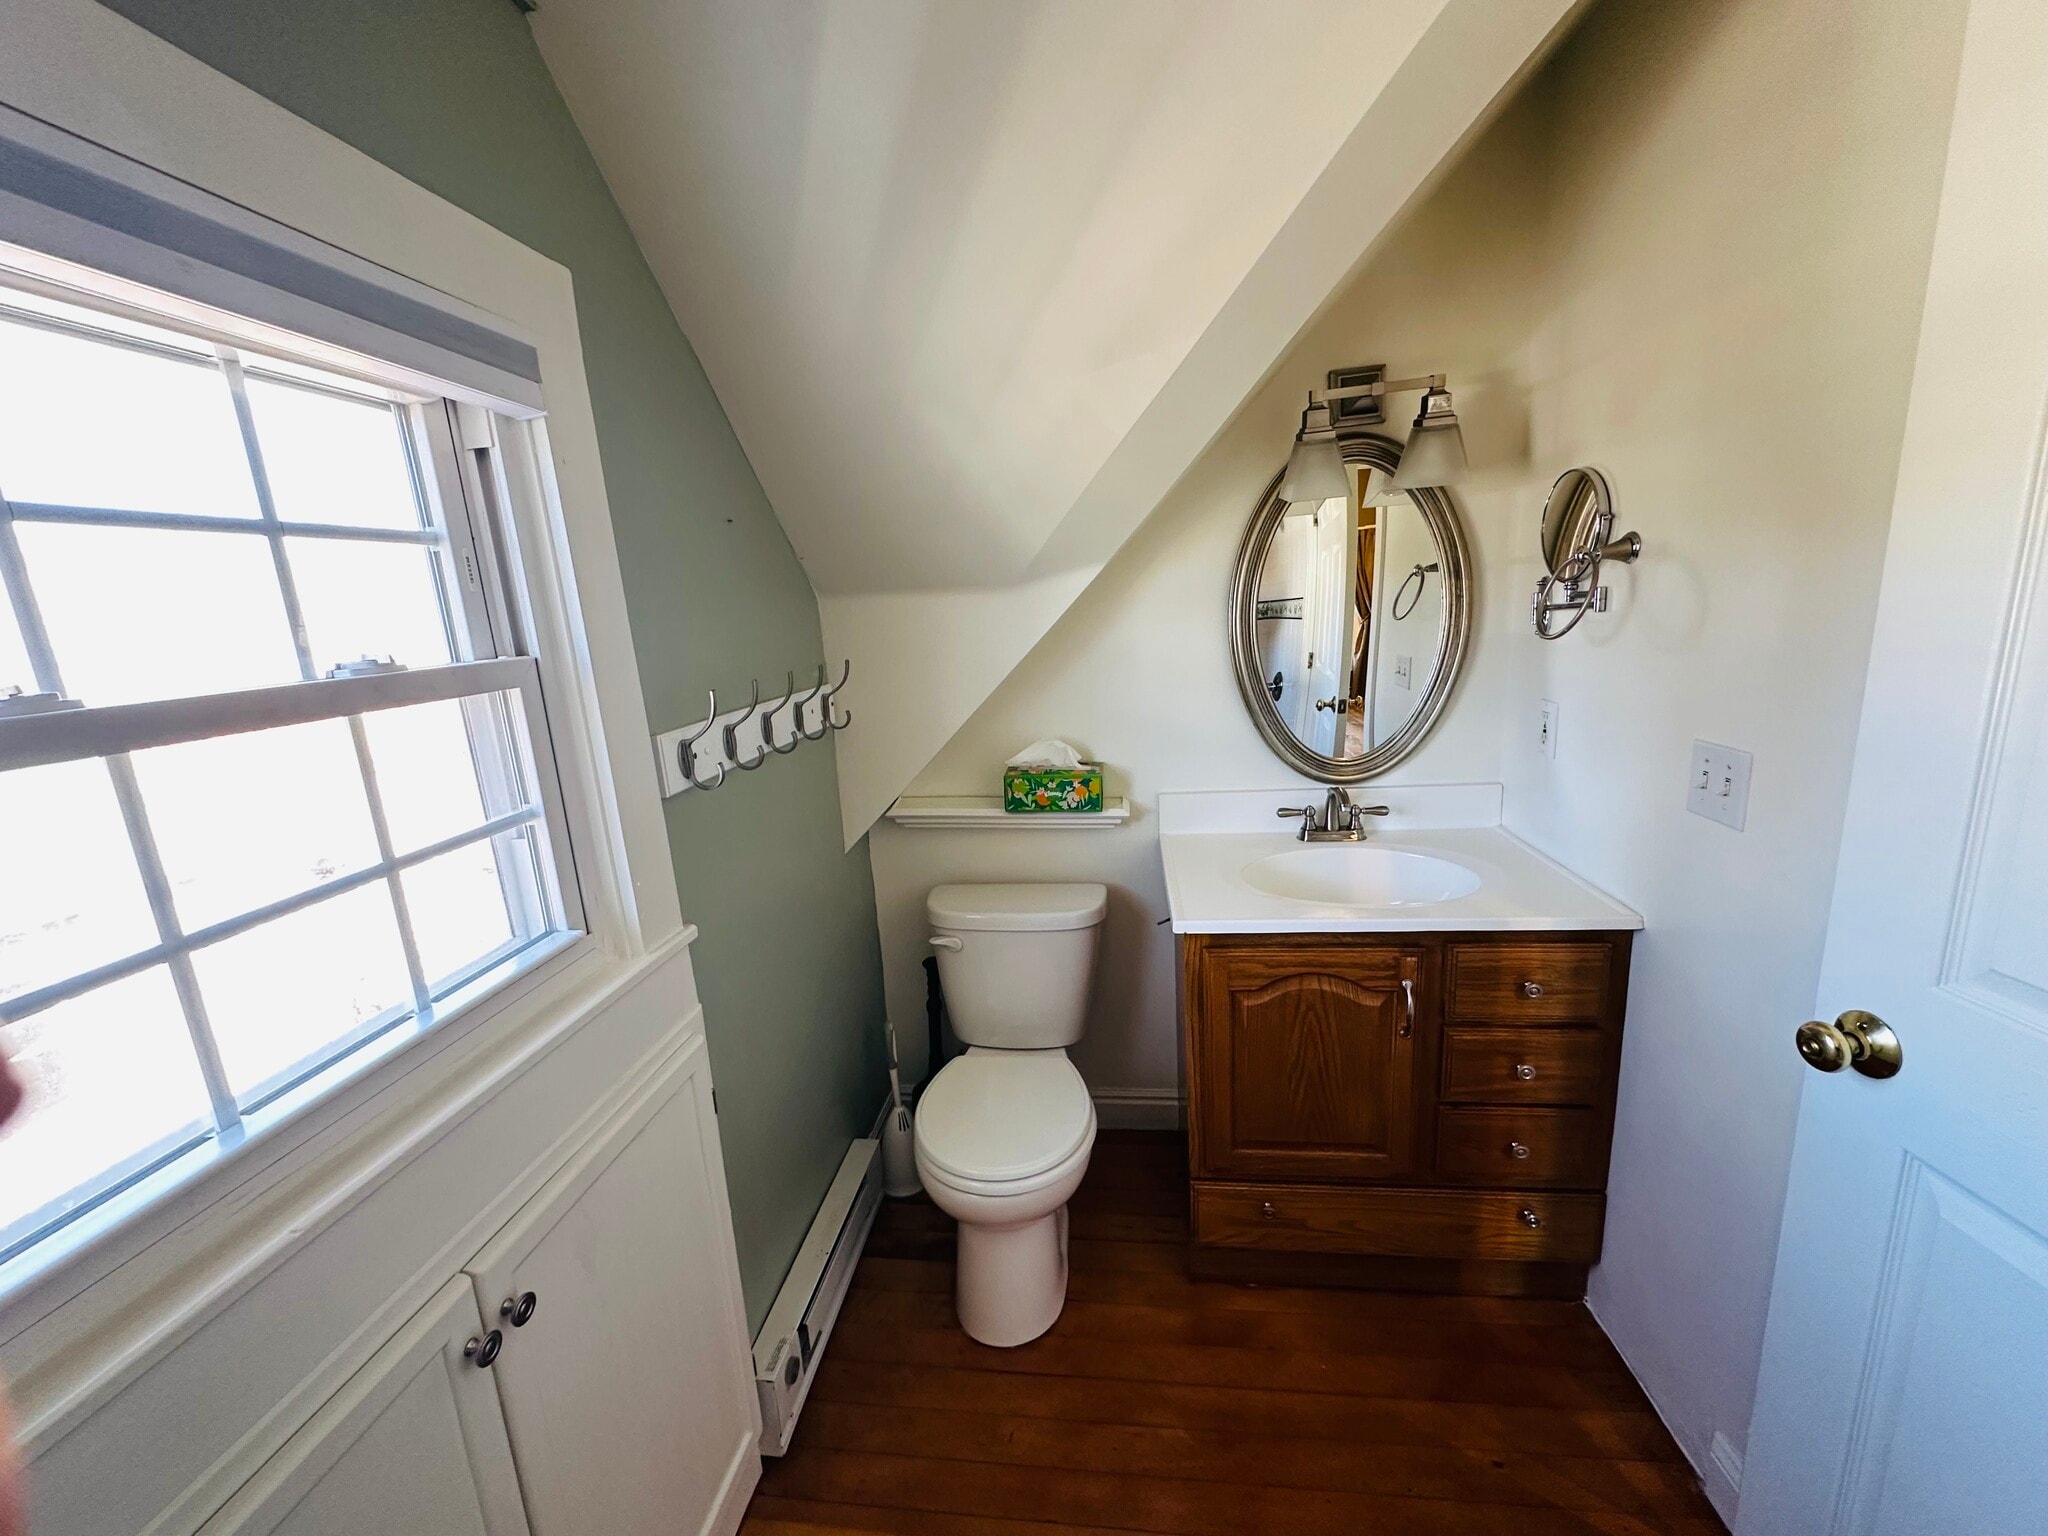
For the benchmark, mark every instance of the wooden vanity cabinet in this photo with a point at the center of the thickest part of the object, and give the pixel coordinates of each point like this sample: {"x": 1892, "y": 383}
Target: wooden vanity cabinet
{"x": 1418, "y": 1111}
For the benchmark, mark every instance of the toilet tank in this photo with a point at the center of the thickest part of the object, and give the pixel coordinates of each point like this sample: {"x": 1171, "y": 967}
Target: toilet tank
{"x": 1015, "y": 961}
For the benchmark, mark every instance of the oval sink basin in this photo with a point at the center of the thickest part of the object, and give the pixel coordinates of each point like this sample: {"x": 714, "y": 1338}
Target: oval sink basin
{"x": 1351, "y": 875}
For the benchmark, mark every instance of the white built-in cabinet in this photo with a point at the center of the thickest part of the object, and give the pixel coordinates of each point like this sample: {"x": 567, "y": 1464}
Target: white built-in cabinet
{"x": 588, "y": 1373}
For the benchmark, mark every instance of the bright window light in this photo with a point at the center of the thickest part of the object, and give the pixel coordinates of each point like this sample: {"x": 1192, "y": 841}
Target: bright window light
{"x": 236, "y": 858}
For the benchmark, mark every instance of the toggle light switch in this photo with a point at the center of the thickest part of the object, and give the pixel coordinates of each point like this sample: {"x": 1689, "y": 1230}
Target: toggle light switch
{"x": 1718, "y": 787}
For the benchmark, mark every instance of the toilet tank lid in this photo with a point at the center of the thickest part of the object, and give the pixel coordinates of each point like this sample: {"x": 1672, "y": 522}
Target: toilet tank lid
{"x": 1017, "y": 908}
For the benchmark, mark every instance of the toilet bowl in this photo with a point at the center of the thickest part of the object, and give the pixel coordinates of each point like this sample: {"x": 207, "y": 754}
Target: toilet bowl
{"x": 1004, "y": 1131}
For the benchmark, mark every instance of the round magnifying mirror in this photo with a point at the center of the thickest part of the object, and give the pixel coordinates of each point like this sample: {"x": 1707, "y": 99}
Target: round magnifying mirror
{"x": 1577, "y": 498}
{"x": 1349, "y": 618}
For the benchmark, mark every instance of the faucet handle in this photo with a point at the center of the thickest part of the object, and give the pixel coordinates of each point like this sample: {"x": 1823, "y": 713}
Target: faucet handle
{"x": 1367, "y": 810}
{"x": 1307, "y": 813}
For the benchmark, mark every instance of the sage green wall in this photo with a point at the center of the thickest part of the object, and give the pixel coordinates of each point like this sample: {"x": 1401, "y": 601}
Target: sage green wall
{"x": 453, "y": 95}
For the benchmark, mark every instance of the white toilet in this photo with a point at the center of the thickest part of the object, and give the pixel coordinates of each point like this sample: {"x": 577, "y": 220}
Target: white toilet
{"x": 1004, "y": 1131}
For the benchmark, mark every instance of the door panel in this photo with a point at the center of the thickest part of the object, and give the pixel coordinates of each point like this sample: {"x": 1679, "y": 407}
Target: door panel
{"x": 1904, "y": 1389}
{"x": 629, "y": 1392}
{"x": 1307, "y": 1063}
{"x": 414, "y": 1443}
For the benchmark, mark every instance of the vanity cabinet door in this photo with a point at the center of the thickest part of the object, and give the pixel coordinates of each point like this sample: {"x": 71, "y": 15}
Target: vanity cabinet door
{"x": 1303, "y": 1062}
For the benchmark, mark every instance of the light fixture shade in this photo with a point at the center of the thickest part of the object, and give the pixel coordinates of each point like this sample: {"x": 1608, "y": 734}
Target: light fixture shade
{"x": 1315, "y": 470}
{"x": 1383, "y": 492}
{"x": 1435, "y": 454}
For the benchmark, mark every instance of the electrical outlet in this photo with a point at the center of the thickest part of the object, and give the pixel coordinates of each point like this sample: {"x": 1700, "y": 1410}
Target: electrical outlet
{"x": 1718, "y": 788}
{"x": 1404, "y": 670}
{"x": 1546, "y": 728}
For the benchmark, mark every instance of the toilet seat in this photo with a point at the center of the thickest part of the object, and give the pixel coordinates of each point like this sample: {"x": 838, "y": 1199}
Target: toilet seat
{"x": 1004, "y": 1122}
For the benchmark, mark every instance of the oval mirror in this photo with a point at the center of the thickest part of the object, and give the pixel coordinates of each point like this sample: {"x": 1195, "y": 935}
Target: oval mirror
{"x": 1577, "y": 499}
{"x": 1349, "y": 619}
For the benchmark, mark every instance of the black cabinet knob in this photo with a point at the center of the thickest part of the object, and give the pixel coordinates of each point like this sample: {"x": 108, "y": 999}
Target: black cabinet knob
{"x": 484, "y": 1350}
{"x": 518, "y": 1310}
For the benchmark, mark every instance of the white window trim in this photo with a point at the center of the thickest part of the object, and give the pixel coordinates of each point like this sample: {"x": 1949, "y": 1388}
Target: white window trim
{"x": 83, "y": 69}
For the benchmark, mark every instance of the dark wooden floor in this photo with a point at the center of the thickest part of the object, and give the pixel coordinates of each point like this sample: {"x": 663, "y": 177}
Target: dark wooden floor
{"x": 1158, "y": 1403}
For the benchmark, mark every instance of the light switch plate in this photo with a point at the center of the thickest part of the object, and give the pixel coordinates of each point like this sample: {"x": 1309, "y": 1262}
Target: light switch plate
{"x": 1718, "y": 788}
{"x": 1546, "y": 728}
{"x": 1404, "y": 670}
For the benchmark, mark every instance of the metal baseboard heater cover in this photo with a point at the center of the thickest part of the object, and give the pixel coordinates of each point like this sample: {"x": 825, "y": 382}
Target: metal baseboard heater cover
{"x": 792, "y": 1340}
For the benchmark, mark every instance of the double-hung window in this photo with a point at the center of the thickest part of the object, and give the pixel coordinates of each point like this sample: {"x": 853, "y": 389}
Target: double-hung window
{"x": 276, "y": 788}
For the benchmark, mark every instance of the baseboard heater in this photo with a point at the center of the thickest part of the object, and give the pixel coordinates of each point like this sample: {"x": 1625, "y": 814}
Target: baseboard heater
{"x": 792, "y": 1340}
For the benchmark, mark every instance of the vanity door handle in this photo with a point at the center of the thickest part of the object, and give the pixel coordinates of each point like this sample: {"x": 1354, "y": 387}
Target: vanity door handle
{"x": 1525, "y": 1072}
{"x": 1529, "y": 1218}
{"x": 1408, "y": 997}
{"x": 1518, "y": 1150}
{"x": 1532, "y": 989}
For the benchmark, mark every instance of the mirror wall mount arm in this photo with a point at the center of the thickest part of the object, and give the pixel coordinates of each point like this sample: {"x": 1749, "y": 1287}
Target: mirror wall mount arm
{"x": 1440, "y": 515}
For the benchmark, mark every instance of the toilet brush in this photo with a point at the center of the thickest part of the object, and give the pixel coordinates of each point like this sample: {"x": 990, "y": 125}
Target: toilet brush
{"x": 899, "y": 1153}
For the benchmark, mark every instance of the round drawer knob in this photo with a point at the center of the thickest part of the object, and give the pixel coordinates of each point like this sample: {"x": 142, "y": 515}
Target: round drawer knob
{"x": 1517, "y": 1150}
{"x": 518, "y": 1310}
{"x": 1529, "y": 1218}
{"x": 1532, "y": 989}
{"x": 485, "y": 1350}
{"x": 1525, "y": 1072}
{"x": 1266, "y": 1210}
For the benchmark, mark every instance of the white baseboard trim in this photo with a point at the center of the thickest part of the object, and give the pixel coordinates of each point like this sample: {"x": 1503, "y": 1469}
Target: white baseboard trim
{"x": 1724, "y": 1465}
{"x": 1718, "y": 1465}
{"x": 1139, "y": 1109}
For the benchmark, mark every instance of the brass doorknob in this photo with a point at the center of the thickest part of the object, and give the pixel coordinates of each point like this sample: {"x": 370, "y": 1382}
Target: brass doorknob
{"x": 1856, "y": 1039}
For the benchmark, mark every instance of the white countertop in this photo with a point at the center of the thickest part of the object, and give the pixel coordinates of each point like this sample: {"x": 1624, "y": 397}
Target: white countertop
{"x": 1207, "y": 842}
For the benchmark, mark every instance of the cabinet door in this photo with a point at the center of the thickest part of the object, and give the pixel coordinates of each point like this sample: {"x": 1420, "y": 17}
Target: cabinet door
{"x": 1304, "y": 1062}
{"x": 414, "y": 1443}
{"x": 629, "y": 1390}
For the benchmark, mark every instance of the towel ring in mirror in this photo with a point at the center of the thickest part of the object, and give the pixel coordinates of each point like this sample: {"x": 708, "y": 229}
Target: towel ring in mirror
{"x": 1404, "y": 604}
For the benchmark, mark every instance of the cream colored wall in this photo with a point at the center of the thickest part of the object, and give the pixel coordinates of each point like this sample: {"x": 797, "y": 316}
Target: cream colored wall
{"x": 1738, "y": 247}
{"x": 1691, "y": 253}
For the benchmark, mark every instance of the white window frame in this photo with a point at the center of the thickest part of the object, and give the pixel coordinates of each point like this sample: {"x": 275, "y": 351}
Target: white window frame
{"x": 92, "y": 74}
{"x": 461, "y": 499}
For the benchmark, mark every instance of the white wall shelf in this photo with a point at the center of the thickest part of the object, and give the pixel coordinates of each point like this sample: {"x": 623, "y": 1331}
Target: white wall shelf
{"x": 985, "y": 813}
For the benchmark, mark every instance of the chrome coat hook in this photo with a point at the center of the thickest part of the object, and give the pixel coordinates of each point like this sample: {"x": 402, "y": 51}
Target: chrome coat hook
{"x": 768, "y": 722}
{"x": 686, "y": 749}
{"x": 732, "y": 746}
{"x": 831, "y": 693}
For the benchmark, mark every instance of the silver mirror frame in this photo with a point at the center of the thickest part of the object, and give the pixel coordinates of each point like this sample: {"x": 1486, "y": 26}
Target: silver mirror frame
{"x": 1438, "y": 511}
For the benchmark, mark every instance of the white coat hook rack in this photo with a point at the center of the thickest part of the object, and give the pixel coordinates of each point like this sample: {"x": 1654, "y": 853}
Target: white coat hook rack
{"x": 700, "y": 756}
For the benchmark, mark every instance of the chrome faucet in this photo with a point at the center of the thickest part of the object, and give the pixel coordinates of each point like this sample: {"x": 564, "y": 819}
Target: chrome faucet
{"x": 1339, "y": 821}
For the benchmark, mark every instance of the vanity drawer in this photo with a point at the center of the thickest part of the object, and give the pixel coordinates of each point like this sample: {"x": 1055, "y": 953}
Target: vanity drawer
{"x": 1520, "y": 1146}
{"x": 1527, "y": 983}
{"x": 1524, "y": 1066}
{"x": 1538, "y": 1227}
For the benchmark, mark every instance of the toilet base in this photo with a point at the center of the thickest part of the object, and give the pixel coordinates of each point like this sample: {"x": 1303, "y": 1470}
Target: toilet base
{"x": 1010, "y": 1282}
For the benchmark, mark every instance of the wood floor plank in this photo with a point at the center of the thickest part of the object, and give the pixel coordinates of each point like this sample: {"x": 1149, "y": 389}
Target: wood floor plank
{"x": 1316, "y": 1372}
{"x": 1570, "y": 1345}
{"x": 1631, "y": 1434}
{"x": 1645, "y": 1488}
{"x": 1166, "y": 1405}
{"x": 1171, "y": 1506}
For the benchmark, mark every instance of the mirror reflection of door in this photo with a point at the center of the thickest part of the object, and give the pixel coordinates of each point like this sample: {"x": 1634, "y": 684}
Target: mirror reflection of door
{"x": 1306, "y": 620}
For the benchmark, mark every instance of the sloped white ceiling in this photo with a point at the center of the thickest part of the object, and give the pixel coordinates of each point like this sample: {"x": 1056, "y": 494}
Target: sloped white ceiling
{"x": 976, "y": 280}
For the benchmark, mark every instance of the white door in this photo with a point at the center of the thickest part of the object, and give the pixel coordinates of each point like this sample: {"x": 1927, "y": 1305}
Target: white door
{"x": 414, "y": 1443}
{"x": 629, "y": 1387}
{"x": 1905, "y": 1376}
{"x": 1326, "y": 626}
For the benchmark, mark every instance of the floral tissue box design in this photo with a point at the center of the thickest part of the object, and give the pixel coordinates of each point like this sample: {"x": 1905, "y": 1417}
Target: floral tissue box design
{"x": 1052, "y": 789}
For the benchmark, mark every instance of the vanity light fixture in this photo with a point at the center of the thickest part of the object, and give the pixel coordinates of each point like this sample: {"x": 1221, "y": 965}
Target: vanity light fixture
{"x": 1435, "y": 454}
{"x": 1315, "y": 470}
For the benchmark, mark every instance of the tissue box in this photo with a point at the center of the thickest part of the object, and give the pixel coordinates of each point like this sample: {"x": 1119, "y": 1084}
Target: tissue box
{"x": 1026, "y": 790}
